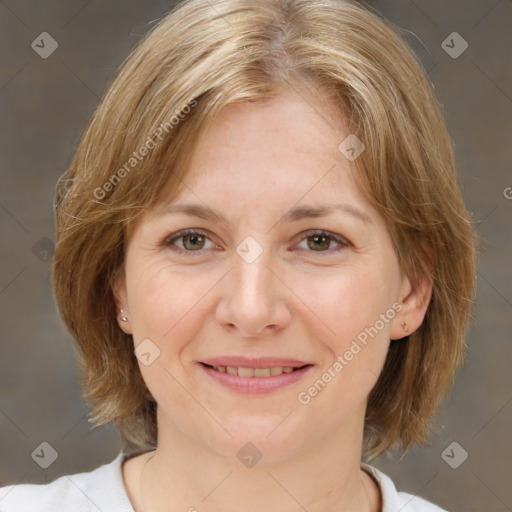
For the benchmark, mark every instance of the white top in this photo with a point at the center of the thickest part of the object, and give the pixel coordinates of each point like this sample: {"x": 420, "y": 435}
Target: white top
{"x": 103, "y": 490}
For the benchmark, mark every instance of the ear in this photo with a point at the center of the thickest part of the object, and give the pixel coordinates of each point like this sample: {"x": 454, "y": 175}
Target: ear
{"x": 121, "y": 301}
{"x": 416, "y": 295}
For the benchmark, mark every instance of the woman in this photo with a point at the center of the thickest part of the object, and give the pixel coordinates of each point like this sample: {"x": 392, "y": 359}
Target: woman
{"x": 266, "y": 262}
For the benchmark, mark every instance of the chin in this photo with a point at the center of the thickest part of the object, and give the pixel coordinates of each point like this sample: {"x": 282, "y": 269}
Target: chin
{"x": 258, "y": 440}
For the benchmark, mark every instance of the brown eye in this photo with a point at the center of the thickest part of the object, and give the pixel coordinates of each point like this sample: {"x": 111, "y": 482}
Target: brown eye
{"x": 188, "y": 241}
{"x": 321, "y": 241}
{"x": 192, "y": 242}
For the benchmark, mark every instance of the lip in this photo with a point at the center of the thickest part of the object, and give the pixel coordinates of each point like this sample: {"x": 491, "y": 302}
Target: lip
{"x": 253, "y": 362}
{"x": 256, "y": 385}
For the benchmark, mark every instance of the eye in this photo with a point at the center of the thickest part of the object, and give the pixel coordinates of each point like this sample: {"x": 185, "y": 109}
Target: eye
{"x": 320, "y": 241}
{"x": 191, "y": 240}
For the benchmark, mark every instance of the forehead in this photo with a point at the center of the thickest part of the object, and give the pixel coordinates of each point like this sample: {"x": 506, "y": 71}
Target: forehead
{"x": 288, "y": 144}
{"x": 277, "y": 159}
{"x": 294, "y": 121}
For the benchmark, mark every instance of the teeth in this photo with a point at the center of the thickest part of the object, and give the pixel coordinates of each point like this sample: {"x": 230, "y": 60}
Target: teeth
{"x": 254, "y": 372}
{"x": 245, "y": 372}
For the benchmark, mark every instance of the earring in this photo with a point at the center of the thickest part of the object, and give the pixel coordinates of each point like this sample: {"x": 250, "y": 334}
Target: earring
{"x": 123, "y": 317}
{"x": 404, "y": 327}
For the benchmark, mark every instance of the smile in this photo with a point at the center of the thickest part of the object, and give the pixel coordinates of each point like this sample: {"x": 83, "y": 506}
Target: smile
{"x": 246, "y": 380}
{"x": 254, "y": 372}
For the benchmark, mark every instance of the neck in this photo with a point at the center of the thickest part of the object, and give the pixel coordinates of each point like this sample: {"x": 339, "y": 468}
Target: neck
{"x": 185, "y": 474}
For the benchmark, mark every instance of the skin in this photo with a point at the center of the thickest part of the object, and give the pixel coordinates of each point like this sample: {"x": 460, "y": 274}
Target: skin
{"x": 256, "y": 162}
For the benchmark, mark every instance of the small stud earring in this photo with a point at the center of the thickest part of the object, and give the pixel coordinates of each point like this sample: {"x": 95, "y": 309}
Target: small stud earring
{"x": 404, "y": 327}
{"x": 123, "y": 317}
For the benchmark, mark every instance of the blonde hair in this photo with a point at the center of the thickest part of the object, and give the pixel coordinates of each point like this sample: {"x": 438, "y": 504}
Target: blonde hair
{"x": 203, "y": 56}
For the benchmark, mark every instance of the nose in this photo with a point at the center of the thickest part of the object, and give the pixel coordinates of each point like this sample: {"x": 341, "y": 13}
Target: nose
{"x": 253, "y": 302}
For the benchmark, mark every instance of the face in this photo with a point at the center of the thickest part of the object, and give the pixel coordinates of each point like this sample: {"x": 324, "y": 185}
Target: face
{"x": 266, "y": 283}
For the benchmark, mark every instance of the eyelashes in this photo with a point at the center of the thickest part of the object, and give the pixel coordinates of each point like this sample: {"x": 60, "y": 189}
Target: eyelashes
{"x": 187, "y": 233}
{"x": 321, "y": 234}
{"x": 321, "y": 239}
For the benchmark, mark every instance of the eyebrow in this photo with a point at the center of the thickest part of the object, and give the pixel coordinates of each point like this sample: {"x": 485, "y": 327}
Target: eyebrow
{"x": 295, "y": 214}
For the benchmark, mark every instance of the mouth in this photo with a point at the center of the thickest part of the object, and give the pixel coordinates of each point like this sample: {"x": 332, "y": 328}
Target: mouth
{"x": 254, "y": 381}
{"x": 246, "y": 372}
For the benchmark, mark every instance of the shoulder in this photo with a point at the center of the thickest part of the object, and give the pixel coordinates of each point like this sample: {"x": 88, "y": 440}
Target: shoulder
{"x": 100, "y": 489}
{"x": 394, "y": 501}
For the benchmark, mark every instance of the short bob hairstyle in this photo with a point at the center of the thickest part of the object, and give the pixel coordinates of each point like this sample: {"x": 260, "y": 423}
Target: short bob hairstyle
{"x": 203, "y": 56}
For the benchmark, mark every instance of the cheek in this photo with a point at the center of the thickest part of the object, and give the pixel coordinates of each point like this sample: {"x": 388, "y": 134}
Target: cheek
{"x": 170, "y": 306}
{"x": 345, "y": 303}
{"x": 166, "y": 308}
{"x": 351, "y": 305}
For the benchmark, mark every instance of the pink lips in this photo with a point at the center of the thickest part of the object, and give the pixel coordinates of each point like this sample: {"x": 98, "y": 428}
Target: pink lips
{"x": 255, "y": 385}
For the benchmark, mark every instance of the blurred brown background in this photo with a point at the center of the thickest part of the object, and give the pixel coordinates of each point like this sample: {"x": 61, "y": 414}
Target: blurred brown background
{"x": 45, "y": 103}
